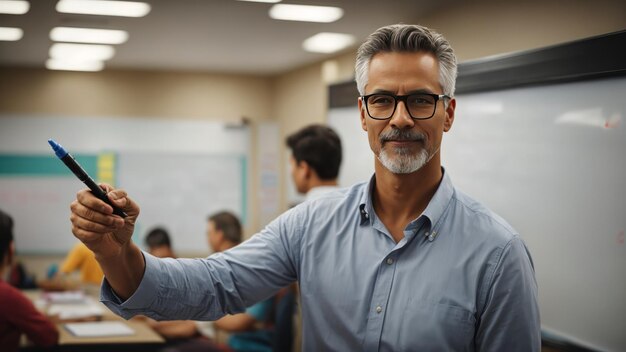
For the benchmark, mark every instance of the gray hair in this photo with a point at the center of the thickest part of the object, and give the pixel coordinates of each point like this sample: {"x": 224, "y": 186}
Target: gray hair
{"x": 407, "y": 38}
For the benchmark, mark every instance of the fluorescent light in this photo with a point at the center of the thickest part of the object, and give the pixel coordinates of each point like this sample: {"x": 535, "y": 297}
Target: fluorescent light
{"x": 90, "y": 66}
{"x": 11, "y": 34}
{"x": 267, "y": 1}
{"x": 328, "y": 42}
{"x": 306, "y": 13}
{"x": 14, "y": 7}
{"x": 104, "y": 8}
{"x": 88, "y": 35}
{"x": 81, "y": 52}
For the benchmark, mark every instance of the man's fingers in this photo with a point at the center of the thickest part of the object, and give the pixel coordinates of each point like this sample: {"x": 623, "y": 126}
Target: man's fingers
{"x": 91, "y": 226}
{"x": 84, "y": 235}
{"x": 83, "y": 214}
{"x": 120, "y": 198}
{"x": 86, "y": 198}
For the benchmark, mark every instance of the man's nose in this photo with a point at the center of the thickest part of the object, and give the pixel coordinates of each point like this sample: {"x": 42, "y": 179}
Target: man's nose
{"x": 401, "y": 118}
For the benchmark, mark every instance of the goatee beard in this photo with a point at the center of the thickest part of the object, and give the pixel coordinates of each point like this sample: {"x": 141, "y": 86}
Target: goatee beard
{"x": 404, "y": 161}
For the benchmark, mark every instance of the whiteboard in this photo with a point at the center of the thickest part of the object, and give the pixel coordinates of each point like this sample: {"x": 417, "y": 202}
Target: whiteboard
{"x": 178, "y": 192}
{"x": 149, "y": 156}
{"x": 551, "y": 160}
{"x": 358, "y": 161}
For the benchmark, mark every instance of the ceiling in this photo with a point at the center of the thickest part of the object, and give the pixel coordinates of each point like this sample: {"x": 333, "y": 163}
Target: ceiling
{"x": 208, "y": 35}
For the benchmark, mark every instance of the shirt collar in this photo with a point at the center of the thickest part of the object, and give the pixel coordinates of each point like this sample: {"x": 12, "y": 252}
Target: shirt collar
{"x": 434, "y": 212}
{"x": 436, "y": 209}
{"x": 317, "y": 192}
{"x": 365, "y": 203}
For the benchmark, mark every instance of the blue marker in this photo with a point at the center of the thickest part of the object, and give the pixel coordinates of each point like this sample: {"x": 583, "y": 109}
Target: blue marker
{"x": 71, "y": 163}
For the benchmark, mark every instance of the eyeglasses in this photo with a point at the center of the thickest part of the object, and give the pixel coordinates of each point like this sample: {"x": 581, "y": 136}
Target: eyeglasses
{"x": 420, "y": 106}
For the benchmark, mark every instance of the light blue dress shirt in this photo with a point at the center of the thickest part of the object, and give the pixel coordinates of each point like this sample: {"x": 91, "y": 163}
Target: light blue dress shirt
{"x": 460, "y": 280}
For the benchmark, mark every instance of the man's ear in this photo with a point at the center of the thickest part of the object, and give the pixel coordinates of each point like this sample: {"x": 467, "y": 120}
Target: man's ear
{"x": 449, "y": 119}
{"x": 306, "y": 168}
{"x": 362, "y": 112}
{"x": 10, "y": 253}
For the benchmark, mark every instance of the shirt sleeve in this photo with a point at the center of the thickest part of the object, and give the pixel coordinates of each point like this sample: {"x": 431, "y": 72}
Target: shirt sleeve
{"x": 510, "y": 319}
{"x": 209, "y": 288}
{"x": 27, "y": 319}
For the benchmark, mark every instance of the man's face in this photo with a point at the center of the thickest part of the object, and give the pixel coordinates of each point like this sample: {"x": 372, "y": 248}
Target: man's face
{"x": 402, "y": 144}
{"x": 212, "y": 235}
{"x": 162, "y": 251}
{"x": 298, "y": 175}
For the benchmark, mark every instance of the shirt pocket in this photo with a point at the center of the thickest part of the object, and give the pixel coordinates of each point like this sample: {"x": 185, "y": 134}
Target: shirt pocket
{"x": 430, "y": 326}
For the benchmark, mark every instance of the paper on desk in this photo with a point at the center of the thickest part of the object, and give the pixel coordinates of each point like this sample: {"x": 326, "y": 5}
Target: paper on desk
{"x": 75, "y": 311}
{"x": 65, "y": 297}
{"x": 99, "y": 329}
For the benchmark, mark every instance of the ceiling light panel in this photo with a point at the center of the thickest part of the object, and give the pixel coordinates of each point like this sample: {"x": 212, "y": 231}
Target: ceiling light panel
{"x": 326, "y": 42}
{"x": 88, "y": 35}
{"x": 81, "y": 52}
{"x": 90, "y": 66}
{"x": 104, "y": 8}
{"x": 266, "y": 1}
{"x": 305, "y": 13}
{"x": 14, "y": 7}
{"x": 11, "y": 34}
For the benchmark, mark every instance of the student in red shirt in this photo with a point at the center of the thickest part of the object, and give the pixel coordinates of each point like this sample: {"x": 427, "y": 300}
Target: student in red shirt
{"x": 17, "y": 313}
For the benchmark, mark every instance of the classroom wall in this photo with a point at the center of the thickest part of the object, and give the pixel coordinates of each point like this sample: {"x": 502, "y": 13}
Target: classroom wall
{"x": 489, "y": 27}
{"x": 474, "y": 28}
{"x": 137, "y": 94}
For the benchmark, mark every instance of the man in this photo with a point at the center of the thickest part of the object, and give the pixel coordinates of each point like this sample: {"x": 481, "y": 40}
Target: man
{"x": 18, "y": 315}
{"x": 159, "y": 243}
{"x": 315, "y": 160}
{"x": 404, "y": 262}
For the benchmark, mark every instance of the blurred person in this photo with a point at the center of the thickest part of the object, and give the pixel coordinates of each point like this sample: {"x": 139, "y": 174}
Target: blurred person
{"x": 315, "y": 160}
{"x": 79, "y": 259}
{"x": 159, "y": 243}
{"x": 18, "y": 315}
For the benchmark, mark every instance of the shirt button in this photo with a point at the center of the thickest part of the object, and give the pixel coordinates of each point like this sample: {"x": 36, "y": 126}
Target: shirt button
{"x": 389, "y": 261}
{"x": 379, "y": 309}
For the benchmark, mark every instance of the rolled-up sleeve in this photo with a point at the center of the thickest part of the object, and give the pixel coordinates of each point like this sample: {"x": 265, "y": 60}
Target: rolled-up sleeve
{"x": 209, "y": 288}
{"x": 143, "y": 297}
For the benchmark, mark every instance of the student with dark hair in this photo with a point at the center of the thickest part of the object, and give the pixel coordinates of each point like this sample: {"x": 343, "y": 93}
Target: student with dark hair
{"x": 249, "y": 331}
{"x": 18, "y": 315}
{"x": 315, "y": 159}
{"x": 223, "y": 231}
{"x": 159, "y": 243}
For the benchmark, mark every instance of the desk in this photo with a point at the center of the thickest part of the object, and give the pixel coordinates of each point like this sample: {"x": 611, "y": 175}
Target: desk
{"x": 143, "y": 339}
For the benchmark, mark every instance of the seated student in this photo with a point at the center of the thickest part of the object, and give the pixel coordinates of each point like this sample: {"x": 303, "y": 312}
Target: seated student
{"x": 81, "y": 259}
{"x": 159, "y": 243}
{"x": 248, "y": 331}
{"x": 18, "y": 315}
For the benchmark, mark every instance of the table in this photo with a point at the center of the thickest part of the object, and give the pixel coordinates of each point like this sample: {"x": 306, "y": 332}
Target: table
{"x": 144, "y": 338}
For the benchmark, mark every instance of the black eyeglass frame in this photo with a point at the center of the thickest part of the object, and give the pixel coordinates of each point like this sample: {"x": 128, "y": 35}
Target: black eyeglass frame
{"x": 403, "y": 98}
